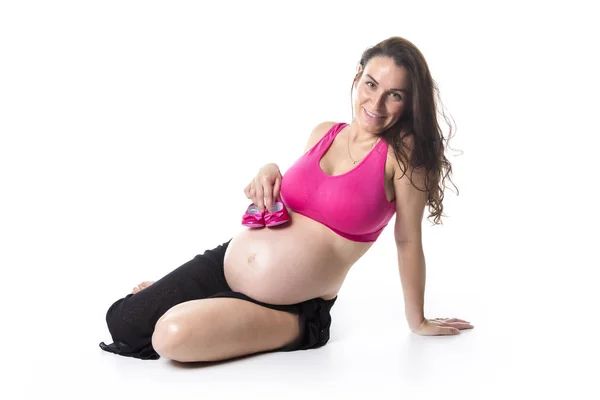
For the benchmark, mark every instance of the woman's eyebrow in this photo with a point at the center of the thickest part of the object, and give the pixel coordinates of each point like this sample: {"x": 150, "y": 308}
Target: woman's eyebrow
{"x": 398, "y": 90}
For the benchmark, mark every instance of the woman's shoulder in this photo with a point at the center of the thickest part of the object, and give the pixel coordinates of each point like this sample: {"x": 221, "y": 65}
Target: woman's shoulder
{"x": 318, "y": 132}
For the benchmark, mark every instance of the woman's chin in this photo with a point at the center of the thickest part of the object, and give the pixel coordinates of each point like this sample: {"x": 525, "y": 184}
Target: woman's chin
{"x": 370, "y": 127}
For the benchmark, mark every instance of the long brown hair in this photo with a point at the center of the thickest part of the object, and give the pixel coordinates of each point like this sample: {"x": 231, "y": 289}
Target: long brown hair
{"x": 418, "y": 122}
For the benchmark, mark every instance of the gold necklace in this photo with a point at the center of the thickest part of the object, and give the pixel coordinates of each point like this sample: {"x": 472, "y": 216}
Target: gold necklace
{"x": 349, "y": 149}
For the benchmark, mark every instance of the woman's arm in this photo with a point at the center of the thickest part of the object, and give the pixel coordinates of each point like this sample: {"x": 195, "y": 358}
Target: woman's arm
{"x": 411, "y": 264}
{"x": 410, "y": 207}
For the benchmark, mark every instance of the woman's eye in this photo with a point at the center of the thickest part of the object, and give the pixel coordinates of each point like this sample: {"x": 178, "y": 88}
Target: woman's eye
{"x": 372, "y": 85}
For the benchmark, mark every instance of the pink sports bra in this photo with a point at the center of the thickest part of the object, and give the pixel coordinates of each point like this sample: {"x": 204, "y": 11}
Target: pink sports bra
{"x": 352, "y": 204}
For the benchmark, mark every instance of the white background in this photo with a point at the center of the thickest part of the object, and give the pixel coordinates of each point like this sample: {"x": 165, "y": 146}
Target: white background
{"x": 130, "y": 128}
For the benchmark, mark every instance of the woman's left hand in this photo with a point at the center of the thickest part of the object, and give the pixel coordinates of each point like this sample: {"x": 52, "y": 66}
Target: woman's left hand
{"x": 441, "y": 326}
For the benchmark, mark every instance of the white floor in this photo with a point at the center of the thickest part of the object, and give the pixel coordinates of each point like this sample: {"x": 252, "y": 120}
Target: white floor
{"x": 527, "y": 340}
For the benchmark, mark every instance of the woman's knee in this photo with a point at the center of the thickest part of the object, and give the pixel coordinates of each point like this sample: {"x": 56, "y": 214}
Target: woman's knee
{"x": 168, "y": 336}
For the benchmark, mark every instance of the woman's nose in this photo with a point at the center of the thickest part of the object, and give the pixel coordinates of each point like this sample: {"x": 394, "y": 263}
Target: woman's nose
{"x": 377, "y": 100}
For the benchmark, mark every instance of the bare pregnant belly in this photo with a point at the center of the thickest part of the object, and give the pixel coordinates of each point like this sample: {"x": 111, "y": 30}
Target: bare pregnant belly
{"x": 290, "y": 263}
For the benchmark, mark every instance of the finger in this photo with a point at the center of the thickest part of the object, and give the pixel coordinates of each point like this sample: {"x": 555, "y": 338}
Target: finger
{"x": 457, "y": 320}
{"x": 258, "y": 194}
{"x": 459, "y": 325}
{"x": 276, "y": 188}
{"x": 448, "y": 330}
{"x": 268, "y": 191}
{"x": 247, "y": 191}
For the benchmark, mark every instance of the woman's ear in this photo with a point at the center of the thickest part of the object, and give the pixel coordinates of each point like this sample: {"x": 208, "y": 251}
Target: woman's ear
{"x": 358, "y": 75}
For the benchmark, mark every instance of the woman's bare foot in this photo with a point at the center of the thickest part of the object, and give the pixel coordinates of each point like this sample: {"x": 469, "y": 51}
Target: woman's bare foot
{"x": 142, "y": 286}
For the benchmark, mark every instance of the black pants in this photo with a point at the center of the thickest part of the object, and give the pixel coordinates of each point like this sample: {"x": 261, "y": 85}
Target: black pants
{"x": 131, "y": 320}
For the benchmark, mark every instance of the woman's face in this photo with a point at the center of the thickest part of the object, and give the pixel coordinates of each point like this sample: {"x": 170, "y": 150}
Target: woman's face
{"x": 382, "y": 91}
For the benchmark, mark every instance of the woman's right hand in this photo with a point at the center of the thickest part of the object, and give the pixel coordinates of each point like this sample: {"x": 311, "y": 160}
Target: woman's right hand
{"x": 264, "y": 188}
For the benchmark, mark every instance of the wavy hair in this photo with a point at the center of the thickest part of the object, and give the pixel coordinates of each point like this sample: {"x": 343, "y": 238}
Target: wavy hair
{"x": 418, "y": 127}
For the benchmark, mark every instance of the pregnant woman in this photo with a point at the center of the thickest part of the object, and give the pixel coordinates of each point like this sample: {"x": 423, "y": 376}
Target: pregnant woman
{"x": 272, "y": 288}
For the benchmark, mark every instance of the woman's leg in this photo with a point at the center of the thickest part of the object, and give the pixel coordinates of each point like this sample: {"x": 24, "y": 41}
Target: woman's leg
{"x": 131, "y": 320}
{"x": 215, "y": 329}
{"x": 314, "y": 317}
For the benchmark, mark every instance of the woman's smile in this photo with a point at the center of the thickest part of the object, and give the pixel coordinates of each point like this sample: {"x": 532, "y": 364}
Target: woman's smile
{"x": 372, "y": 117}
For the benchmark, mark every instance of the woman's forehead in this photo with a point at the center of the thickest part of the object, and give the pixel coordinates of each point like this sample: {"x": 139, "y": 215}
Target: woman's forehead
{"x": 385, "y": 71}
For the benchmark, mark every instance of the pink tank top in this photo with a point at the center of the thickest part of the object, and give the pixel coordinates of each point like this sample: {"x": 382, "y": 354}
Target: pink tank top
{"x": 352, "y": 204}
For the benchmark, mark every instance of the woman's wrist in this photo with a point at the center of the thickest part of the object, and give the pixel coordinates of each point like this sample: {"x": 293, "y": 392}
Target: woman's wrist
{"x": 415, "y": 321}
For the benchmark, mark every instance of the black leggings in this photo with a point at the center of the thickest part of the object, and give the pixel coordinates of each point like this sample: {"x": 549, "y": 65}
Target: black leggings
{"x": 131, "y": 320}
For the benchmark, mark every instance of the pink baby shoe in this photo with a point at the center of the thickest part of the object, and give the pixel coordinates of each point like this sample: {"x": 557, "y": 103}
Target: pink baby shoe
{"x": 277, "y": 216}
{"x": 253, "y": 217}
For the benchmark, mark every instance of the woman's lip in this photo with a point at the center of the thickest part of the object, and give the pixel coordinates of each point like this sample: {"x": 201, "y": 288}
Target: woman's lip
{"x": 378, "y": 116}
